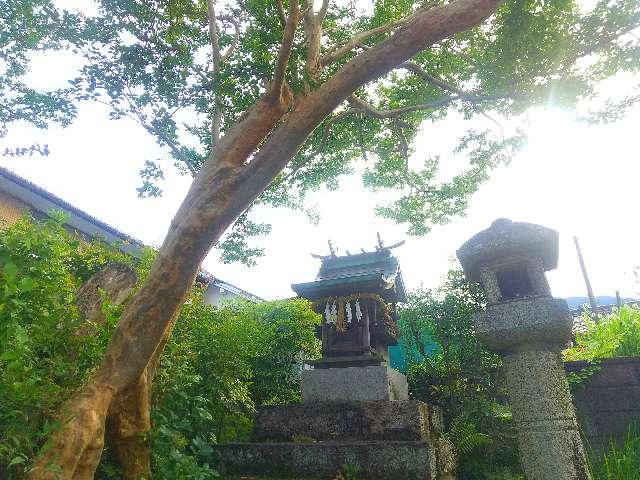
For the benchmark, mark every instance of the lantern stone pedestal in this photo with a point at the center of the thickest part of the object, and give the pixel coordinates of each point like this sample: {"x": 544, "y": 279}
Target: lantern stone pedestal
{"x": 528, "y": 328}
{"x": 355, "y": 411}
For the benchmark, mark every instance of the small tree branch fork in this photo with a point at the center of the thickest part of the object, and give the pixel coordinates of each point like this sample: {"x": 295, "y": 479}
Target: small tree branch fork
{"x": 313, "y": 38}
{"x": 246, "y": 161}
{"x": 335, "y": 53}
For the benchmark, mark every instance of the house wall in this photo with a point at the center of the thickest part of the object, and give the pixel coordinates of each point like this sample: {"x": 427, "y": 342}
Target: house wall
{"x": 11, "y": 209}
{"x": 215, "y": 296}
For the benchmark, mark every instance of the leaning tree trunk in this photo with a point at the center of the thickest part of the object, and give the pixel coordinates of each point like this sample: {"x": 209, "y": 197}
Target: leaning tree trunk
{"x": 246, "y": 161}
{"x": 129, "y": 421}
{"x": 128, "y": 417}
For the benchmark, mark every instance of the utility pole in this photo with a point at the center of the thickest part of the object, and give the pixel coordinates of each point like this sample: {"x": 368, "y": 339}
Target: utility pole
{"x": 592, "y": 299}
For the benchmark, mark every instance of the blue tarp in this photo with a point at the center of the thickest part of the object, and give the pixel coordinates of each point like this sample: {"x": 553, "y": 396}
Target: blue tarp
{"x": 402, "y": 354}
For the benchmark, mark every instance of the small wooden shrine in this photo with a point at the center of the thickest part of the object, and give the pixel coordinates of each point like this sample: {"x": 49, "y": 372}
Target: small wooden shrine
{"x": 355, "y": 408}
{"x": 356, "y": 296}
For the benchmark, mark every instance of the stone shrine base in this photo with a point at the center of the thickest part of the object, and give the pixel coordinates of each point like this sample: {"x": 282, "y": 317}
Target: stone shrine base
{"x": 374, "y": 382}
{"x": 374, "y": 460}
{"x": 382, "y": 440}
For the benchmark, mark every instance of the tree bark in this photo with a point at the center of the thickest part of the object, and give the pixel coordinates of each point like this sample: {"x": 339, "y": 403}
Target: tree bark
{"x": 224, "y": 188}
{"x": 127, "y": 425}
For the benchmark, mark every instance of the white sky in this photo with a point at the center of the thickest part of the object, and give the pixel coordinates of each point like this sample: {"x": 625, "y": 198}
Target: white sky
{"x": 581, "y": 180}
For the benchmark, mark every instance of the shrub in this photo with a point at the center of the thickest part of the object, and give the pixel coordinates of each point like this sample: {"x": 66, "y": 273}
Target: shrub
{"x": 613, "y": 335}
{"x": 221, "y": 363}
{"x": 42, "y": 360}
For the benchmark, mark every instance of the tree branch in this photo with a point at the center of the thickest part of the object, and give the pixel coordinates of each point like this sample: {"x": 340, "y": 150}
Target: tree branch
{"x": 216, "y": 60}
{"x": 357, "y": 40}
{"x": 608, "y": 39}
{"x": 436, "y": 82}
{"x": 236, "y": 37}
{"x": 285, "y": 48}
{"x": 215, "y": 69}
{"x": 440, "y": 102}
{"x": 313, "y": 39}
{"x": 323, "y": 9}
{"x": 213, "y": 35}
{"x": 281, "y": 14}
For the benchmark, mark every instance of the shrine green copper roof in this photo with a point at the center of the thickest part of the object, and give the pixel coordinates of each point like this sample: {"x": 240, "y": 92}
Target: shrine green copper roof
{"x": 368, "y": 272}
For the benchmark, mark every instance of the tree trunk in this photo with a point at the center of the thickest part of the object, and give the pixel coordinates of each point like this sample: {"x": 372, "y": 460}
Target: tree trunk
{"x": 246, "y": 161}
{"x": 127, "y": 427}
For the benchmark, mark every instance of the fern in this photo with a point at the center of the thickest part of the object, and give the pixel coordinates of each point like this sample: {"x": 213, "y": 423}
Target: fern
{"x": 464, "y": 436}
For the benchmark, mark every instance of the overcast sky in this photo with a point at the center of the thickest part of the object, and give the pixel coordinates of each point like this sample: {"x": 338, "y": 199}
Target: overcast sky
{"x": 579, "y": 179}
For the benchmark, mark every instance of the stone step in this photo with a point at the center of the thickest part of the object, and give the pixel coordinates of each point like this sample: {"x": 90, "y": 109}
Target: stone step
{"x": 374, "y": 460}
{"x": 348, "y": 421}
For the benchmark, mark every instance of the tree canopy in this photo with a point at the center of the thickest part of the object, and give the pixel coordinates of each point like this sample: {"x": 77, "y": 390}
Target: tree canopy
{"x": 187, "y": 80}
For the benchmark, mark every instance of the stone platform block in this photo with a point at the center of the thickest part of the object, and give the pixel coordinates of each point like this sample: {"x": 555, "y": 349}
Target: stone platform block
{"x": 387, "y": 460}
{"x": 375, "y": 382}
{"x": 364, "y": 420}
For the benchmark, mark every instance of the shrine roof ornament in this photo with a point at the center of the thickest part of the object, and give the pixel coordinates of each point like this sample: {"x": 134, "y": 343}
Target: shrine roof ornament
{"x": 373, "y": 272}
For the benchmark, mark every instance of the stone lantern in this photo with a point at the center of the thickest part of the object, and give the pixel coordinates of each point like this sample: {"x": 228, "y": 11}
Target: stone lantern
{"x": 528, "y": 327}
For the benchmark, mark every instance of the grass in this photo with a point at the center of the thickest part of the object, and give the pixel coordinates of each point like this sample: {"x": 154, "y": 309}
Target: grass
{"x": 620, "y": 462}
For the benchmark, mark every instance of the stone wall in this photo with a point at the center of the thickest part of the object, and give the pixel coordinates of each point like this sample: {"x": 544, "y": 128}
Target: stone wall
{"x": 608, "y": 403}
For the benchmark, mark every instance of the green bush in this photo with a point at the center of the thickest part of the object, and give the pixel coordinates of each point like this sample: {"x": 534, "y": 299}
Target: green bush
{"x": 219, "y": 364}
{"x": 42, "y": 360}
{"x": 613, "y": 335}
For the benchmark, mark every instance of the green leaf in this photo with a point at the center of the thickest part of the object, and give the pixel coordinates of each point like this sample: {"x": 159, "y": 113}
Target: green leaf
{"x": 26, "y": 284}
{"x": 10, "y": 270}
{"x": 17, "y": 461}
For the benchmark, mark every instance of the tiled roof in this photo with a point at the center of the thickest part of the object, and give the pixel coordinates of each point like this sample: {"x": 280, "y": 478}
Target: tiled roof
{"x": 380, "y": 263}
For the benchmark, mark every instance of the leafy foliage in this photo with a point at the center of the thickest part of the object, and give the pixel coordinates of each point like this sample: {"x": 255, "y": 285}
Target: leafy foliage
{"x": 465, "y": 436}
{"x": 42, "y": 360}
{"x": 154, "y": 62}
{"x": 460, "y": 376}
{"x": 460, "y": 367}
{"x": 218, "y": 366}
{"x": 614, "y": 335}
{"x": 25, "y": 27}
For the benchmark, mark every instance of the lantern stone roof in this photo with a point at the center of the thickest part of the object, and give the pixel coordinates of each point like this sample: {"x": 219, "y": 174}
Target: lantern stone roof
{"x": 507, "y": 239}
{"x": 368, "y": 272}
